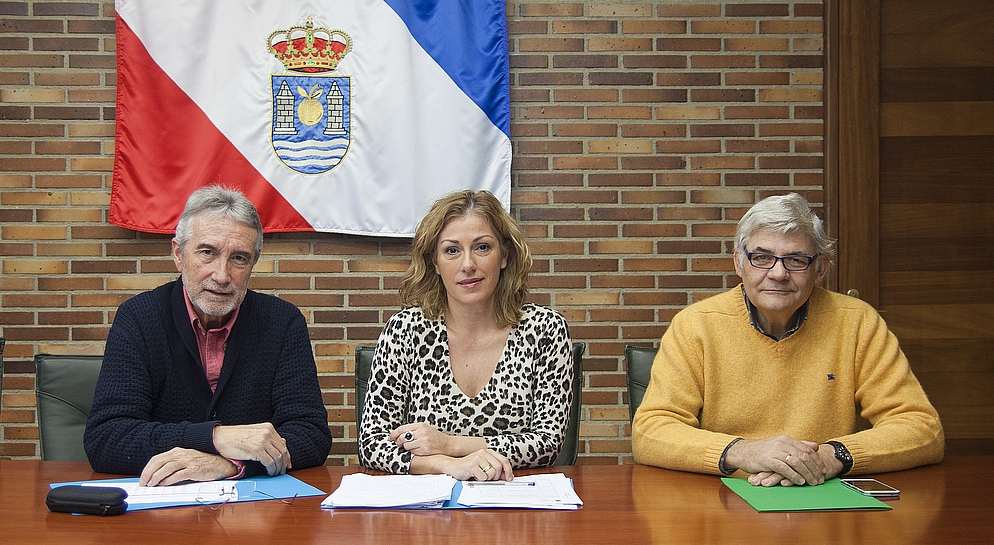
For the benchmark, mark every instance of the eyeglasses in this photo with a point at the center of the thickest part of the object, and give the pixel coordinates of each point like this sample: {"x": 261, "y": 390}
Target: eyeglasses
{"x": 794, "y": 263}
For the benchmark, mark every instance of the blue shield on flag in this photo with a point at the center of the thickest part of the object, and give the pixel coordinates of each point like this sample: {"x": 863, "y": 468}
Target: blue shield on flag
{"x": 311, "y": 128}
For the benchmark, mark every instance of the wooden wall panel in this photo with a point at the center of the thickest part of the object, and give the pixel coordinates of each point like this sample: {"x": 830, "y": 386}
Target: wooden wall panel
{"x": 936, "y": 118}
{"x": 936, "y": 287}
{"x": 932, "y": 154}
{"x": 936, "y": 209}
{"x": 937, "y": 220}
{"x": 931, "y": 33}
{"x": 941, "y": 254}
{"x": 964, "y": 84}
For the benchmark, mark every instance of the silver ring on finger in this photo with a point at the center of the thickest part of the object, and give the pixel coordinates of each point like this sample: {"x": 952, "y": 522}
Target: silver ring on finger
{"x": 787, "y": 459}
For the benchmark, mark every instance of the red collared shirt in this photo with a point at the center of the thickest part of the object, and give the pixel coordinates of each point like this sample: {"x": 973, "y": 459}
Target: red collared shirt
{"x": 212, "y": 344}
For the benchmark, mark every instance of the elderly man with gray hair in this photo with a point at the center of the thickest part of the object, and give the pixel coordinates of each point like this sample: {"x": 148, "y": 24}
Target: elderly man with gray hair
{"x": 775, "y": 376}
{"x": 202, "y": 378}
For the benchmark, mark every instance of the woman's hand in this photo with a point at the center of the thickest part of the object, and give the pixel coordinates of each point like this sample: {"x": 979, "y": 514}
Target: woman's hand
{"x": 482, "y": 465}
{"x": 421, "y": 439}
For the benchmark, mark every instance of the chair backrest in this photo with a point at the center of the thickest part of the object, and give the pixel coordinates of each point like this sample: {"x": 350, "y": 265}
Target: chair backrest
{"x": 567, "y": 456}
{"x": 638, "y": 360}
{"x": 571, "y": 444}
{"x": 64, "y": 386}
{"x": 2, "y": 342}
{"x": 363, "y": 363}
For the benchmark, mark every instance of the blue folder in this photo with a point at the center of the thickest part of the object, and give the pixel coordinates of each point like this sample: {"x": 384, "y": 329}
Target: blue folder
{"x": 265, "y": 488}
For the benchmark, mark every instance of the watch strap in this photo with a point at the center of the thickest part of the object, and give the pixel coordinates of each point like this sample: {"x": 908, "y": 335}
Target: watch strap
{"x": 843, "y": 455}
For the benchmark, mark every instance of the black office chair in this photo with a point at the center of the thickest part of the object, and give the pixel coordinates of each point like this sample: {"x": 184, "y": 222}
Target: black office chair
{"x": 2, "y": 342}
{"x": 567, "y": 456}
{"x": 571, "y": 444}
{"x": 64, "y": 388}
{"x": 363, "y": 363}
{"x": 638, "y": 360}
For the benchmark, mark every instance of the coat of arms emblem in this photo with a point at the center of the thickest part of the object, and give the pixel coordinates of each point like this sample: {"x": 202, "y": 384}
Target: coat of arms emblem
{"x": 312, "y": 127}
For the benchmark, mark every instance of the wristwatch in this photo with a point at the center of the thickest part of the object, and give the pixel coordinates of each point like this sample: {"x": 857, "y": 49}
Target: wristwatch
{"x": 842, "y": 455}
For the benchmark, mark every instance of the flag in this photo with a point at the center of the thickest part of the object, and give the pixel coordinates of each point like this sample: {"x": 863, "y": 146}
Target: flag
{"x": 347, "y": 116}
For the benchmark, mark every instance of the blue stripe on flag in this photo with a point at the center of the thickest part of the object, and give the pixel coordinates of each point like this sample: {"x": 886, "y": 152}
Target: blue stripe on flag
{"x": 479, "y": 64}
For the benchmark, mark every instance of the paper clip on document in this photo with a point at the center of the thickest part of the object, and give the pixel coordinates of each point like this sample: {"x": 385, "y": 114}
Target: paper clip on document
{"x": 217, "y": 494}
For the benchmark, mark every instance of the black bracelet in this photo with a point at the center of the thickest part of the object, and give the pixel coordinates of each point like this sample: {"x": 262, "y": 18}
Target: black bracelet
{"x": 721, "y": 462}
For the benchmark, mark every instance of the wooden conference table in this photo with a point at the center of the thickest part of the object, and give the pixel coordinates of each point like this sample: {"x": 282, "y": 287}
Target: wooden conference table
{"x": 952, "y": 502}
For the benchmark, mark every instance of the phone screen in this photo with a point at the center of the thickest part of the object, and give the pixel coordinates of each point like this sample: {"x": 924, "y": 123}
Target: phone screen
{"x": 871, "y": 487}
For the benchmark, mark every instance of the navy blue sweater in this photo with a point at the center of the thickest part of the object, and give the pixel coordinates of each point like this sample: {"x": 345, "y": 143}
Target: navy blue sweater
{"x": 153, "y": 395}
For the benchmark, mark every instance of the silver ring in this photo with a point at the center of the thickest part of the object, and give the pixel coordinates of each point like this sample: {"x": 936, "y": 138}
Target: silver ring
{"x": 787, "y": 459}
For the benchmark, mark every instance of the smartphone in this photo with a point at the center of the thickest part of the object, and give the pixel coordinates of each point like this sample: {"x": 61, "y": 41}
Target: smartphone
{"x": 872, "y": 487}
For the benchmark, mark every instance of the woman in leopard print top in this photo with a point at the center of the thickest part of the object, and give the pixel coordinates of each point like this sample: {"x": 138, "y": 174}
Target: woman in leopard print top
{"x": 468, "y": 379}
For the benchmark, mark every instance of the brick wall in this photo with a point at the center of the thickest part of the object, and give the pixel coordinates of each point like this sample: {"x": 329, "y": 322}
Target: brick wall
{"x": 642, "y": 131}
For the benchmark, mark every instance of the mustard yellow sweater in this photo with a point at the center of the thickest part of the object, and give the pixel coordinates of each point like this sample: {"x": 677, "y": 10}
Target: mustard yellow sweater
{"x": 716, "y": 378}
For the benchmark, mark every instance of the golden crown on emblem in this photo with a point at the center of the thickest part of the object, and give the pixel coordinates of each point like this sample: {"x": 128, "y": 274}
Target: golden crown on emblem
{"x": 309, "y": 49}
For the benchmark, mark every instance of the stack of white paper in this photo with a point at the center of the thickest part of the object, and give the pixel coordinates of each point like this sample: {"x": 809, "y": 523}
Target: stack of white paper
{"x": 361, "y": 490}
{"x": 206, "y": 492}
{"x": 545, "y": 491}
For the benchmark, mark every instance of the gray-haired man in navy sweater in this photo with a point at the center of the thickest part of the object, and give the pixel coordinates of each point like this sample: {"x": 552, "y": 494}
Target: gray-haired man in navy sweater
{"x": 203, "y": 379}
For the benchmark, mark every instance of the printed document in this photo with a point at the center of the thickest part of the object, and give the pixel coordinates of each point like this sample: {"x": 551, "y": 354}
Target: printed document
{"x": 543, "y": 491}
{"x": 206, "y": 492}
{"x": 362, "y": 490}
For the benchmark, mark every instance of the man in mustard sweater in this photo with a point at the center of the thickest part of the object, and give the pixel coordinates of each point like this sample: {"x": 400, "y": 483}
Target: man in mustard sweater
{"x": 774, "y": 376}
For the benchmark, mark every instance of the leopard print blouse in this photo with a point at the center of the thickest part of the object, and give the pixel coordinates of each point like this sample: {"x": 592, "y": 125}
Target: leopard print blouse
{"x": 522, "y": 412}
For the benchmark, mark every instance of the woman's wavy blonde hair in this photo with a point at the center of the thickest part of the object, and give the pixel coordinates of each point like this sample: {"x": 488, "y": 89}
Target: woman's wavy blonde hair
{"x": 422, "y": 286}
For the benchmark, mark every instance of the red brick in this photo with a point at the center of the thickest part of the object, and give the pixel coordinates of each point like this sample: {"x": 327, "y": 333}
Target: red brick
{"x": 628, "y": 281}
{"x": 584, "y": 27}
{"x": 529, "y": 129}
{"x": 757, "y": 146}
{"x": 66, "y": 44}
{"x": 585, "y": 61}
{"x": 659, "y": 162}
{"x": 722, "y": 61}
{"x": 654, "y": 230}
{"x": 670, "y": 130}
{"x": 756, "y": 179}
{"x": 527, "y": 27}
{"x": 688, "y": 79}
{"x": 550, "y": 10}
{"x": 620, "y": 78}
{"x": 799, "y": 162}
{"x": 757, "y": 10}
{"x": 584, "y": 129}
{"x": 647, "y": 26}
{"x": 653, "y": 95}
{"x": 757, "y": 78}
{"x": 550, "y": 78}
{"x": 551, "y": 112}
{"x": 722, "y": 95}
{"x": 790, "y": 61}
{"x": 585, "y": 95}
{"x": 549, "y": 44}
{"x": 688, "y": 44}
{"x": 634, "y": 61}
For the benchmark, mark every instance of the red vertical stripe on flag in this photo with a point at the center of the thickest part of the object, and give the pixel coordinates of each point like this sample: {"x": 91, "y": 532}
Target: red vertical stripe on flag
{"x": 166, "y": 148}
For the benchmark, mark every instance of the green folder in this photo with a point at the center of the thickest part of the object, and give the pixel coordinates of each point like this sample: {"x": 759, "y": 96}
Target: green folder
{"x": 830, "y": 495}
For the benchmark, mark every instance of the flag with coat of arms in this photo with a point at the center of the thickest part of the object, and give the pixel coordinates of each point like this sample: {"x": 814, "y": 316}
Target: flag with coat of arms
{"x": 348, "y": 116}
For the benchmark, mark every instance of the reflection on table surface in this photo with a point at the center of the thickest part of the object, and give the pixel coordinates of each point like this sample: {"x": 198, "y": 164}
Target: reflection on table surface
{"x": 944, "y": 503}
